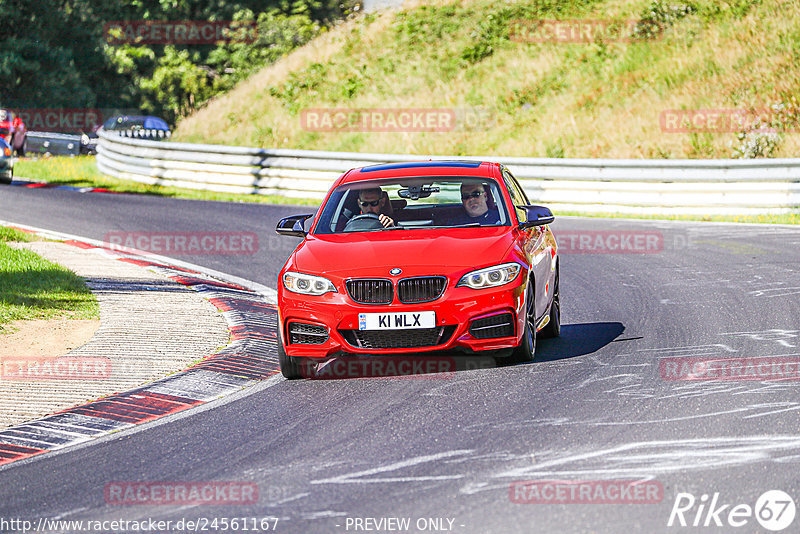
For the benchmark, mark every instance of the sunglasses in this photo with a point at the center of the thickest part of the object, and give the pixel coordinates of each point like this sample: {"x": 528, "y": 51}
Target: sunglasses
{"x": 365, "y": 203}
{"x": 474, "y": 194}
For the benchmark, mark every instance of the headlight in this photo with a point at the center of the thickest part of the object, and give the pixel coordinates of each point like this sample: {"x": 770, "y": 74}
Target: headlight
{"x": 307, "y": 284}
{"x": 490, "y": 276}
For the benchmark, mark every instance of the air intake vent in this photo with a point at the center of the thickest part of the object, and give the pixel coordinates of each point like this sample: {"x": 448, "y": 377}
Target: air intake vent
{"x": 398, "y": 339}
{"x": 501, "y": 325}
{"x": 307, "y": 334}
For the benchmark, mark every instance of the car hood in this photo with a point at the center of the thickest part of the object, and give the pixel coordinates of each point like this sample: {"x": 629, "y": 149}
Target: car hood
{"x": 417, "y": 252}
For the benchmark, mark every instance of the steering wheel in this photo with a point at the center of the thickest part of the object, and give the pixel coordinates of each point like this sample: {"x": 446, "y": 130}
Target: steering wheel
{"x": 365, "y": 221}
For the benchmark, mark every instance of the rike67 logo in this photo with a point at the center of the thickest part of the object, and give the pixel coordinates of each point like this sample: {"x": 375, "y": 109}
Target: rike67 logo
{"x": 774, "y": 510}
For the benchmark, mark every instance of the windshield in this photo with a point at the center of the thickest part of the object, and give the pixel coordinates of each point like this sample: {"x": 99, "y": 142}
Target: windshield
{"x": 413, "y": 203}
{"x": 135, "y": 123}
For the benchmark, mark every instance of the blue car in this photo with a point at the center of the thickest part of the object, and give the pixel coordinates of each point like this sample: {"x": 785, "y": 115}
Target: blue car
{"x": 139, "y": 126}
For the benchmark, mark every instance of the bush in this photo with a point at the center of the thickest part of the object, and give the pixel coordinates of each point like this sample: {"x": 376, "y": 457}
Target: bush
{"x": 658, "y": 17}
{"x": 761, "y": 138}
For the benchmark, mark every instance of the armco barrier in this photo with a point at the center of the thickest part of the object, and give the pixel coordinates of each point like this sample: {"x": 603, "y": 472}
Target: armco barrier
{"x": 586, "y": 185}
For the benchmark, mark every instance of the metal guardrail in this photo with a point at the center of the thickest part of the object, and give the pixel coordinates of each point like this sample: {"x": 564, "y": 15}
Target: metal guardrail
{"x": 584, "y": 185}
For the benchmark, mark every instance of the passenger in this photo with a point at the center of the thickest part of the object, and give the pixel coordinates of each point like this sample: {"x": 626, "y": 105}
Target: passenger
{"x": 478, "y": 205}
{"x": 374, "y": 200}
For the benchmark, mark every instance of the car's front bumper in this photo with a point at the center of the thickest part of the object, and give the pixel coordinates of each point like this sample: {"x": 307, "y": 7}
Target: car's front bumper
{"x": 456, "y": 312}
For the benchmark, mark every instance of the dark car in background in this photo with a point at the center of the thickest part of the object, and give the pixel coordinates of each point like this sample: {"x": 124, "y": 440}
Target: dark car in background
{"x": 13, "y": 131}
{"x": 138, "y": 126}
{"x": 6, "y": 162}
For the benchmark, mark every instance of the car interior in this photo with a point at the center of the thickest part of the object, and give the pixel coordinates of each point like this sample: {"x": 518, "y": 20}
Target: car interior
{"x": 407, "y": 212}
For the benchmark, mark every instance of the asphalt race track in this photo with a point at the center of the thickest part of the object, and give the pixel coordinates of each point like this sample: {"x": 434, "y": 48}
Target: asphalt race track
{"x": 444, "y": 450}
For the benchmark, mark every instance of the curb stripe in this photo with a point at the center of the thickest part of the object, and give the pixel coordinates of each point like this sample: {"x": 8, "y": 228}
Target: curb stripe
{"x": 10, "y": 453}
{"x": 46, "y": 185}
{"x": 250, "y": 356}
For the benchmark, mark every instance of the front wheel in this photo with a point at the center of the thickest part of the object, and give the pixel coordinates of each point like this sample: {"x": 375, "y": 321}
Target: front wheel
{"x": 291, "y": 368}
{"x": 553, "y": 328}
{"x": 527, "y": 348}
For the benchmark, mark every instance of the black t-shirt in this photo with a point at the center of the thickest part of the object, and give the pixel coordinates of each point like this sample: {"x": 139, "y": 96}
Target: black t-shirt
{"x": 491, "y": 217}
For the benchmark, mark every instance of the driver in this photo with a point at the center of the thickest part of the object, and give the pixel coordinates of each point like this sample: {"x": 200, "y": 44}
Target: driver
{"x": 374, "y": 201}
{"x": 476, "y": 200}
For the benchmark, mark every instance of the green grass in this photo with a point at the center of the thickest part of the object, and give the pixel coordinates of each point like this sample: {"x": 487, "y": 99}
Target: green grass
{"x": 594, "y": 100}
{"x": 34, "y": 288}
{"x": 81, "y": 171}
{"x": 10, "y": 234}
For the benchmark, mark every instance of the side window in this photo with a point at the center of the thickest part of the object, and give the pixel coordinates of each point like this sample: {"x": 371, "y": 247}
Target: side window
{"x": 518, "y": 196}
{"x": 518, "y": 187}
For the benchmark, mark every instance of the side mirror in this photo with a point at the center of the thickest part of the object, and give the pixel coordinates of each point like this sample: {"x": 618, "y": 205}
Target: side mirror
{"x": 537, "y": 216}
{"x": 293, "y": 225}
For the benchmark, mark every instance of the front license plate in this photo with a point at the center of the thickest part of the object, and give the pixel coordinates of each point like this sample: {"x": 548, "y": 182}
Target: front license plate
{"x": 396, "y": 320}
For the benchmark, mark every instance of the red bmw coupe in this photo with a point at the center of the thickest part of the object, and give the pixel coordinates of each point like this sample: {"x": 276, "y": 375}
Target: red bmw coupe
{"x": 416, "y": 258}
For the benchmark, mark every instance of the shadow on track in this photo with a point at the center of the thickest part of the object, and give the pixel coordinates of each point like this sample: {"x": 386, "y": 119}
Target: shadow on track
{"x": 577, "y": 340}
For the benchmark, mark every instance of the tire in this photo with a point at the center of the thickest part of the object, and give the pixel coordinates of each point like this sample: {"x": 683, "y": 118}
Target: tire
{"x": 291, "y": 368}
{"x": 526, "y": 350}
{"x": 553, "y": 328}
{"x": 23, "y": 148}
{"x": 8, "y": 176}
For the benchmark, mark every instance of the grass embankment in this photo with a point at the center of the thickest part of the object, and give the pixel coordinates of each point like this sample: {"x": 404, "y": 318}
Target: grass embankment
{"x": 34, "y": 288}
{"x": 513, "y": 97}
{"x": 81, "y": 171}
{"x": 552, "y": 99}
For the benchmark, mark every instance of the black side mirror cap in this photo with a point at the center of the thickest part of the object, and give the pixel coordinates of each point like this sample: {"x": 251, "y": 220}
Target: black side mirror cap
{"x": 537, "y": 216}
{"x": 293, "y": 225}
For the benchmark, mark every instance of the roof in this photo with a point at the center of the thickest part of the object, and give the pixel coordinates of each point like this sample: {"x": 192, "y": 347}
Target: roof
{"x": 421, "y": 168}
{"x": 148, "y": 122}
